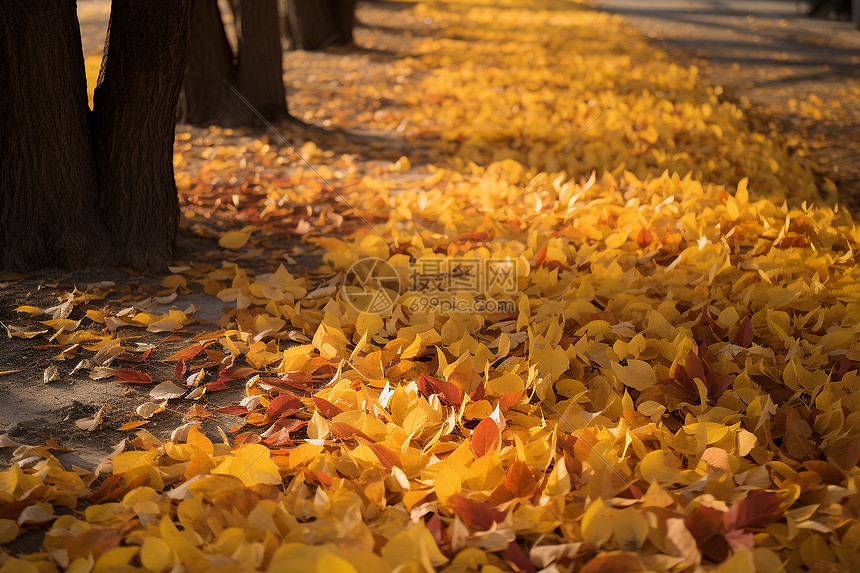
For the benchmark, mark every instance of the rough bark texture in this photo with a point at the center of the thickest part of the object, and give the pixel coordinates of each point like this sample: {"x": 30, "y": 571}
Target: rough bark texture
{"x": 315, "y": 24}
{"x": 206, "y": 95}
{"x": 212, "y": 73}
{"x": 48, "y": 187}
{"x": 135, "y": 113}
{"x": 261, "y": 67}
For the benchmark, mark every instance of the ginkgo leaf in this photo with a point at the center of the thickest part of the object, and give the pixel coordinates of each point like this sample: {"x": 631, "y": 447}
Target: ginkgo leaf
{"x": 166, "y": 390}
{"x": 636, "y": 374}
{"x": 251, "y": 464}
{"x": 92, "y": 422}
{"x": 234, "y": 239}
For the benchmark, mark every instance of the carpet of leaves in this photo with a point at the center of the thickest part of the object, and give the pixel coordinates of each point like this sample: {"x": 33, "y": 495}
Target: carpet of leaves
{"x": 676, "y": 390}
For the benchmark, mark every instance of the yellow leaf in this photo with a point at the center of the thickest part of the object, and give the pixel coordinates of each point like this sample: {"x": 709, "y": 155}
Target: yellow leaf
{"x": 597, "y": 523}
{"x": 638, "y": 374}
{"x": 31, "y": 310}
{"x": 234, "y": 239}
{"x": 252, "y": 464}
{"x": 155, "y": 554}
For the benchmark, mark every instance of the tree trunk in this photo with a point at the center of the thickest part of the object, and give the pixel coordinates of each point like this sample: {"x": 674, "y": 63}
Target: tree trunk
{"x": 207, "y": 97}
{"x": 261, "y": 67}
{"x": 212, "y": 73}
{"x": 312, "y": 24}
{"x": 135, "y": 112}
{"x": 344, "y": 20}
{"x": 315, "y": 24}
{"x": 48, "y": 188}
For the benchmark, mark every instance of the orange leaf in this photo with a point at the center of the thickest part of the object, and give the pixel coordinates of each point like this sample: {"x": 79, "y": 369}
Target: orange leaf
{"x": 187, "y": 353}
{"x": 388, "y": 458}
{"x": 447, "y": 392}
{"x": 132, "y": 424}
{"x": 520, "y": 481}
{"x": 485, "y": 438}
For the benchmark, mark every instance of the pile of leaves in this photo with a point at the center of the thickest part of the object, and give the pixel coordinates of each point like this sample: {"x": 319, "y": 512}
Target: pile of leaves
{"x": 675, "y": 389}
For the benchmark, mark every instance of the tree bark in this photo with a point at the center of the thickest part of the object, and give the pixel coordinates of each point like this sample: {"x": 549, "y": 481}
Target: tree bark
{"x": 206, "y": 95}
{"x": 344, "y": 20}
{"x": 312, "y": 24}
{"x": 48, "y": 185}
{"x": 213, "y": 73}
{"x": 135, "y": 112}
{"x": 261, "y": 66}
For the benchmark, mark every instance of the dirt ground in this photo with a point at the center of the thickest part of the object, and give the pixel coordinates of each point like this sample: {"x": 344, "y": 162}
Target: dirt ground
{"x": 32, "y": 411}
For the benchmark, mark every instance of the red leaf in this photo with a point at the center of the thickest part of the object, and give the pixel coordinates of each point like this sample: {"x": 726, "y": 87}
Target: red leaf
{"x": 475, "y": 514}
{"x": 447, "y": 392}
{"x": 326, "y": 408}
{"x": 233, "y": 410}
{"x": 282, "y": 405}
{"x": 717, "y": 386}
{"x": 520, "y": 481}
{"x": 704, "y": 522}
{"x": 180, "y": 369}
{"x": 693, "y": 367}
{"x": 133, "y": 377}
{"x": 514, "y": 555}
{"x": 217, "y": 385}
{"x": 485, "y": 438}
{"x": 388, "y": 458}
{"x": 758, "y": 509}
{"x": 434, "y": 525}
{"x": 744, "y": 335}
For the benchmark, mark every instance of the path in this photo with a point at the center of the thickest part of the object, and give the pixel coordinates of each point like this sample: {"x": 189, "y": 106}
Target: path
{"x": 794, "y": 70}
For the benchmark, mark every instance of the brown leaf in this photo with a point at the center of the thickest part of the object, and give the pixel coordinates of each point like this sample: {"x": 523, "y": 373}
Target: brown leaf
{"x": 233, "y": 410}
{"x": 515, "y": 557}
{"x": 133, "y": 377}
{"x": 744, "y": 335}
{"x": 758, "y": 509}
